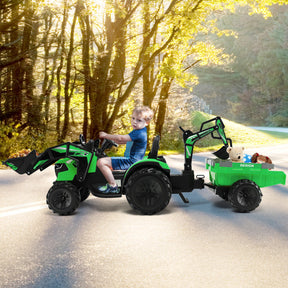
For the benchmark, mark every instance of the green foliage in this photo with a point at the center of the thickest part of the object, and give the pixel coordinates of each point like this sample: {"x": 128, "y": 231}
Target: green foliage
{"x": 257, "y": 78}
{"x": 179, "y": 35}
{"x": 7, "y": 134}
{"x": 13, "y": 142}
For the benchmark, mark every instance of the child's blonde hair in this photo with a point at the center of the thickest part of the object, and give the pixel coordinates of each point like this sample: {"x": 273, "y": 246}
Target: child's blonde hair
{"x": 145, "y": 112}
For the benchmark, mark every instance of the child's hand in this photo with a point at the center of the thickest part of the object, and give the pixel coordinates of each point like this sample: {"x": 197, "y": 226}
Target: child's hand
{"x": 102, "y": 134}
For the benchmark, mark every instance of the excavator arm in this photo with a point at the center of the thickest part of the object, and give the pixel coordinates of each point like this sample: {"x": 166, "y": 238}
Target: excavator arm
{"x": 191, "y": 138}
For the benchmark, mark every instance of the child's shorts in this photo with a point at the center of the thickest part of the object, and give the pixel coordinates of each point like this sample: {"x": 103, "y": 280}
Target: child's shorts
{"x": 121, "y": 163}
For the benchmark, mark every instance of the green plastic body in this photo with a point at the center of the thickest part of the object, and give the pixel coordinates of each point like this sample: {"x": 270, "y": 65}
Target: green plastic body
{"x": 225, "y": 173}
{"x": 79, "y": 162}
{"x": 163, "y": 165}
{"x": 70, "y": 172}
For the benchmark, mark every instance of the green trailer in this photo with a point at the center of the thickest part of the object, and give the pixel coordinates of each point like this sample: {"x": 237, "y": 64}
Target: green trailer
{"x": 240, "y": 183}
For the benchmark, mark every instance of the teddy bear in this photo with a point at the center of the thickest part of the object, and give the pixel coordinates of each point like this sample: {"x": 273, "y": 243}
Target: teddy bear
{"x": 236, "y": 154}
{"x": 256, "y": 158}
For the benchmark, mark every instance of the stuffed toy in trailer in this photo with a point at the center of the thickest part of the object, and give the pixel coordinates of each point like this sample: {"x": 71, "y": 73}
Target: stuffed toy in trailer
{"x": 256, "y": 158}
{"x": 236, "y": 154}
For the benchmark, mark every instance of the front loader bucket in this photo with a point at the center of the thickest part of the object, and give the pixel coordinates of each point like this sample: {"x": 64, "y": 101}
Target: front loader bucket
{"x": 22, "y": 164}
{"x": 222, "y": 153}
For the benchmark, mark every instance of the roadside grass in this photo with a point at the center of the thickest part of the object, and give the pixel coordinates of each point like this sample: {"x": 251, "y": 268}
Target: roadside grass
{"x": 241, "y": 136}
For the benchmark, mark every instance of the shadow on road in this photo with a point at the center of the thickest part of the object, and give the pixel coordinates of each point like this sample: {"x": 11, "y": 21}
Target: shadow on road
{"x": 211, "y": 210}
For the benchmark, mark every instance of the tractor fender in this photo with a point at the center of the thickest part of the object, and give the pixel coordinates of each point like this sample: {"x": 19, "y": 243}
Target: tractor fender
{"x": 146, "y": 163}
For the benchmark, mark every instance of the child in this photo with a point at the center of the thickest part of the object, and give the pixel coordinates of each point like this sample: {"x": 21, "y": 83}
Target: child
{"x": 136, "y": 142}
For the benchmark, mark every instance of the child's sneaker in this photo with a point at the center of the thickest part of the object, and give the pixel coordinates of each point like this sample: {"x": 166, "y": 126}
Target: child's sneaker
{"x": 108, "y": 189}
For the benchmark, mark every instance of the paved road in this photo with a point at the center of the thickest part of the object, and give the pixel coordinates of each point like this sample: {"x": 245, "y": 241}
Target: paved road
{"x": 275, "y": 129}
{"x": 106, "y": 244}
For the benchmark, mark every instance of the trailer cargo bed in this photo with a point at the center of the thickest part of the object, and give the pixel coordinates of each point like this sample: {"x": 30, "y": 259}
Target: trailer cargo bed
{"x": 226, "y": 172}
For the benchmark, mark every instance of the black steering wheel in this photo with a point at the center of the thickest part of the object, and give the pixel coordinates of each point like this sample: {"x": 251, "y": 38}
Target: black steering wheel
{"x": 113, "y": 143}
{"x": 106, "y": 144}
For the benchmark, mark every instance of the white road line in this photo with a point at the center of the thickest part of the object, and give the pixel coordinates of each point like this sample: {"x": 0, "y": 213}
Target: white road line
{"x": 20, "y": 209}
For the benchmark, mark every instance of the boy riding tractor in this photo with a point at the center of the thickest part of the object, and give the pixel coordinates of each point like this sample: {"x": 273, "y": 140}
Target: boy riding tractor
{"x": 148, "y": 183}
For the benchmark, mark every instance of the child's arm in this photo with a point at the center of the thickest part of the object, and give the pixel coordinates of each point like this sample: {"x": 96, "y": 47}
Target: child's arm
{"x": 119, "y": 139}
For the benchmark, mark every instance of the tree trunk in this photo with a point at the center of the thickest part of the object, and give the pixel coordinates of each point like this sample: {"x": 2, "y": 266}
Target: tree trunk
{"x": 48, "y": 78}
{"x": 16, "y": 73}
{"x": 86, "y": 30}
{"x": 67, "y": 93}
{"x": 107, "y": 94}
{"x": 61, "y": 46}
{"x": 34, "y": 108}
{"x": 100, "y": 90}
{"x": 162, "y": 106}
{"x": 148, "y": 74}
{"x": 30, "y": 33}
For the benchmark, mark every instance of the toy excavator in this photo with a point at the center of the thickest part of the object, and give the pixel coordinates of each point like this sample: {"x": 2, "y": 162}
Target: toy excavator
{"x": 148, "y": 183}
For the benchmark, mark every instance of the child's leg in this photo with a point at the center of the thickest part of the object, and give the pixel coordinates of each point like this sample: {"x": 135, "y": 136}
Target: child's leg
{"x": 105, "y": 166}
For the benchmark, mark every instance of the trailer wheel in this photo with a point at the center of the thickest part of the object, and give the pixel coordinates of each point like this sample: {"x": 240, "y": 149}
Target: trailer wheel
{"x": 63, "y": 198}
{"x": 84, "y": 193}
{"x": 245, "y": 195}
{"x": 148, "y": 190}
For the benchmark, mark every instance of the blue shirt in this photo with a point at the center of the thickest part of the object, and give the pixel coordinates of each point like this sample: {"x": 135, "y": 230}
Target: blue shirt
{"x": 135, "y": 149}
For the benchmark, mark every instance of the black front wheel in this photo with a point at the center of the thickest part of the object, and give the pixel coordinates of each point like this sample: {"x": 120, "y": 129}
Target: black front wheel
{"x": 245, "y": 195}
{"x": 63, "y": 198}
{"x": 148, "y": 190}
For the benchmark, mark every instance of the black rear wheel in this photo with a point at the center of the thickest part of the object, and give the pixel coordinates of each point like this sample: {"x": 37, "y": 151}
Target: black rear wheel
{"x": 245, "y": 195}
{"x": 148, "y": 190}
{"x": 63, "y": 198}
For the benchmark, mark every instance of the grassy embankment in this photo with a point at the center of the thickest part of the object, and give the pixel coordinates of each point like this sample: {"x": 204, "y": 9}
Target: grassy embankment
{"x": 240, "y": 135}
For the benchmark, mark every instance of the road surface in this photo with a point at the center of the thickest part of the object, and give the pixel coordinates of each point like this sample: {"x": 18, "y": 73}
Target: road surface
{"x": 107, "y": 244}
{"x": 274, "y": 129}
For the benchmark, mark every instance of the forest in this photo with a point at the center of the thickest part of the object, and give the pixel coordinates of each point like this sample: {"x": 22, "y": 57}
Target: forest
{"x": 253, "y": 87}
{"x": 71, "y": 67}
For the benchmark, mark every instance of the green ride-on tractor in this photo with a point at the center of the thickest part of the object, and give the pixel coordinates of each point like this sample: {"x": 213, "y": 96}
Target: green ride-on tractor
{"x": 148, "y": 183}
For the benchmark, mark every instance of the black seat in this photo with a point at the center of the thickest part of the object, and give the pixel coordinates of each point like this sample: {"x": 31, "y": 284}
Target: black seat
{"x": 153, "y": 154}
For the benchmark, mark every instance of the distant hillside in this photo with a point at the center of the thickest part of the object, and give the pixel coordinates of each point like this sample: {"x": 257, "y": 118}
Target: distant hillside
{"x": 240, "y": 134}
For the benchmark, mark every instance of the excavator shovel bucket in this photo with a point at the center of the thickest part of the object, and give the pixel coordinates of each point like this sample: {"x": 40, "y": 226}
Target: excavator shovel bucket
{"x": 22, "y": 164}
{"x": 222, "y": 153}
